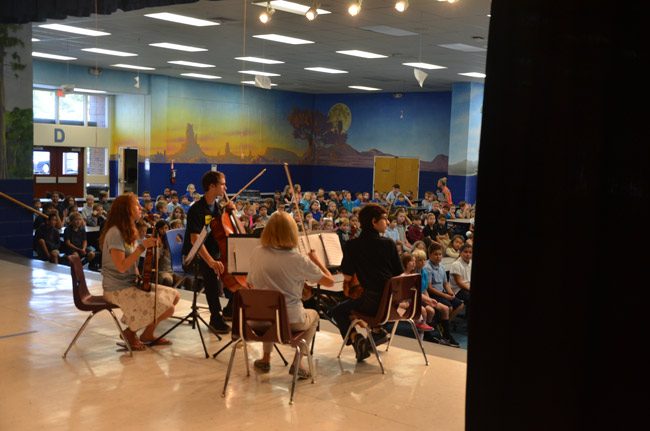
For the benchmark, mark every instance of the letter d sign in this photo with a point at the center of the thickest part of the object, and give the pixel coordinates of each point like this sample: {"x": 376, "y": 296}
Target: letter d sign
{"x": 59, "y": 135}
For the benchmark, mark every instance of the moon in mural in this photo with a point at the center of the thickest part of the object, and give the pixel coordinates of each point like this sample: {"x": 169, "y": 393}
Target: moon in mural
{"x": 340, "y": 117}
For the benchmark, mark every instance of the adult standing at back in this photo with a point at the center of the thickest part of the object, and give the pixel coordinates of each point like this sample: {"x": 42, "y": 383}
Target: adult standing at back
{"x": 446, "y": 193}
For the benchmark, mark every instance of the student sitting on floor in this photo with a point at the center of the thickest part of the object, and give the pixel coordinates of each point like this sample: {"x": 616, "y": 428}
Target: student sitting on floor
{"x": 47, "y": 239}
{"x": 456, "y": 243}
{"x": 75, "y": 241}
{"x": 460, "y": 274}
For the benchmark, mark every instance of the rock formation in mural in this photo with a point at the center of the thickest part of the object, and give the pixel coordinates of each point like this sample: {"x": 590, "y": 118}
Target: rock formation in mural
{"x": 190, "y": 151}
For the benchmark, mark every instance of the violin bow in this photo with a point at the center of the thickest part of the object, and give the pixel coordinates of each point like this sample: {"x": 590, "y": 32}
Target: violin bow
{"x": 245, "y": 187}
{"x": 295, "y": 202}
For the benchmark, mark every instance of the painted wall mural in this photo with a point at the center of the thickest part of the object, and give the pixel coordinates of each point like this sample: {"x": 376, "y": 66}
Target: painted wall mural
{"x": 196, "y": 122}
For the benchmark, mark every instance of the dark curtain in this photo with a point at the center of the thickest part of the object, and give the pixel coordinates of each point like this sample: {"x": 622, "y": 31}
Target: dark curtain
{"x": 23, "y": 11}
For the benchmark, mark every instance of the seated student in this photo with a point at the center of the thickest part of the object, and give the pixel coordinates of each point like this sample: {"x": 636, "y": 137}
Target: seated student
{"x": 408, "y": 262}
{"x": 460, "y": 274}
{"x": 355, "y": 226}
{"x": 166, "y": 274}
{"x": 392, "y": 195}
{"x": 453, "y": 250}
{"x": 447, "y": 212}
{"x": 402, "y": 227}
{"x": 103, "y": 200}
{"x": 87, "y": 209}
{"x": 263, "y": 212}
{"x": 189, "y": 193}
{"x": 373, "y": 259}
{"x": 442, "y": 231}
{"x": 176, "y": 224}
{"x": 343, "y": 231}
{"x": 277, "y": 265}
{"x": 414, "y": 232}
{"x": 391, "y": 230}
{"x": 258, "y": 225}
{"x": 400, "y": 201}
{"x": 328, "y": 224}
{"x": 161, "y": 209}
{"x": 185, "y": 203}
{"x": 463, "y": 210}
{"x": 178, "y": 214}
{"x": 314, "y": 210}
{"x": 173, "y": 203}
{"x": 47, "y": 239}
{"x": 75, "y": 242}
{"x": 440, "y": 290}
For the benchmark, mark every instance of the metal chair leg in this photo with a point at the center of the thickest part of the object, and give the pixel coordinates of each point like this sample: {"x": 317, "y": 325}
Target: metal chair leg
{"x": 232, "y": 358}
{"x": 374, "y": 348}
{"x": 417, "y": 337}
{"x": 310, "y": 361}
{"x": 74, "y": 340}
{"x": 296, "y": 369}
{"x": 248, "y": 371}
{"x": 119, "y": 327}
{"x": 347, "y": 335}
{"x": 281, "y": 355}
{"x": 392, "y": 335}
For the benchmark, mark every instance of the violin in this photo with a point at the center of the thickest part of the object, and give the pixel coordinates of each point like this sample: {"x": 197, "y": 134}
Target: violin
{"x": 149, "y": 268}
{"x": 352, "y": 288}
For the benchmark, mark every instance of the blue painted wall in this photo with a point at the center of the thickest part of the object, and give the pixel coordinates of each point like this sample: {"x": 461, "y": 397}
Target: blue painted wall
{"x": 16, "y": 222}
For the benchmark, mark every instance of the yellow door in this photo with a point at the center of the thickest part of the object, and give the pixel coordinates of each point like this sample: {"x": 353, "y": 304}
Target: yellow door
{"x": 384, "y": 174}
{"x": 407, "y": 175}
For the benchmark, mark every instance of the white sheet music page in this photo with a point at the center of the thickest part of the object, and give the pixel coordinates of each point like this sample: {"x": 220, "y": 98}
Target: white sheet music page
{"x": 314, "y": 243}
{"x": 332, "y": 248}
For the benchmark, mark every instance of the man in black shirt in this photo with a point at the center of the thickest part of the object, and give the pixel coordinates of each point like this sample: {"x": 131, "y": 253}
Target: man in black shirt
{"x": 201, "y": 213}
{"x": 374, "y": 260}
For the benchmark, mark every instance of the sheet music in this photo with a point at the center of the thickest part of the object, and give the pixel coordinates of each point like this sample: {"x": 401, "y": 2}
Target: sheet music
{"x": 240, "y": 250}
{"x": 315, "y": 244}
{"x": 332, "y": 248}
{"x": 196, "y": 246}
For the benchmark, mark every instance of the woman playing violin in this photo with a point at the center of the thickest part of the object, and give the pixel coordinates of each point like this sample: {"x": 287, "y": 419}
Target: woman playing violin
{"x": 120, "y": 253}
{"x": 201, "y": 214}
{"x": 277, "y": 265}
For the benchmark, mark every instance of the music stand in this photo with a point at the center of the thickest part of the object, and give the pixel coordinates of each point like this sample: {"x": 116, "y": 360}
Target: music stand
{"x": 193, "y": 317}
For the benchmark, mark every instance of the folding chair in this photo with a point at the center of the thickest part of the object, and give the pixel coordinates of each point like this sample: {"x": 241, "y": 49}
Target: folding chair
{"x": 175, "y": 239}
{"x": 84, "y": 301}
{"x": 261, "y": 315}
{"x": 401, "y": 301}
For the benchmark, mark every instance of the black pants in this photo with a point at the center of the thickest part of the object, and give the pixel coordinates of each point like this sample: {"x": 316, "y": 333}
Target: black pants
{"x": 212, "y": 288}
{"x": 341, "y": 314}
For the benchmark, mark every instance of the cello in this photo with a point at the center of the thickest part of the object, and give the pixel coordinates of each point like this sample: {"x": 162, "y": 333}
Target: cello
{"x": 221, "y": 229}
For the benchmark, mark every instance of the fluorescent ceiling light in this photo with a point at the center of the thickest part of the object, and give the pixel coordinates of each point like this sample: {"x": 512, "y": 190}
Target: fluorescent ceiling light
{"x": 35, "y": 40}
{"x": 424, "y": 65}
{"x": 110, "y": 52}
{"x": 291, "y": 7}
{"x": 361, "y": 87}
{"x": 177, "y": 47}
{"x": 473, "y": 74}
{"x": 256, "y": 72}
{"x": 75, "y": 30}
{"x": 325, "y": 70}
{"x": 86, "y": 90}
{"x": 462, "y": 47}
{"x": 253, "y": 83}
{"x": 52, "y": 56}
{"x": 259, "y": 60}
{"x": 363, "y": 54}
{"x": 190, "y": 63}
{"x": 200, "y": 75}
{"x": 391, "y": 31}
{"x": 132, "y": 66}
{"x": 181, "y": 19}
{"x": 283, "y": 39}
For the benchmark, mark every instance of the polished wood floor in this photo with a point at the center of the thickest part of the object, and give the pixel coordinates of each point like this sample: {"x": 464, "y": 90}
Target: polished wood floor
{"x": 173, "y": 387}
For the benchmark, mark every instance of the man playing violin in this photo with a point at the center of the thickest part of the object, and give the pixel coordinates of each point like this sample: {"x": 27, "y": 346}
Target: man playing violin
{"x": 201, "y": 214}
{"x": 374, "y": 260}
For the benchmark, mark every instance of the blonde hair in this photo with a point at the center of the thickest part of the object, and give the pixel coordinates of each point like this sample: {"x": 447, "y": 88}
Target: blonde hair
{"x": 419, "y": 255}
{"x": 281, "y": 231}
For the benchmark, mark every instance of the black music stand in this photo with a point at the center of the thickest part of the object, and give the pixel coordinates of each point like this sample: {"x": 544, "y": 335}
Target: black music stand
{"x": 193, "y": 317}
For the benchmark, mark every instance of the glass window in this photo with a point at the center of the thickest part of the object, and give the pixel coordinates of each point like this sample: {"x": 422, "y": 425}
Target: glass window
{"x": 44, "y": 103}
{"x": 96, "y": 112}
{"x": 41, "y": 162}
{"x": 71, "y": 109}
{"x": 70, "y": 163}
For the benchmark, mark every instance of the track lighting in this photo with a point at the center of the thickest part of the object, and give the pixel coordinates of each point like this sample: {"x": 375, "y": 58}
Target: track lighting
{"x": 402, "y": 5}
{"x": 266, "y": 15}
{"x": 355, "y": 7}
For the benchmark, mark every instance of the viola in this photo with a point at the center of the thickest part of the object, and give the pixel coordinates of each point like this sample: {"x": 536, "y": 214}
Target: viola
{"x": 149, "y": 268}
{"x": 352, "y": 288}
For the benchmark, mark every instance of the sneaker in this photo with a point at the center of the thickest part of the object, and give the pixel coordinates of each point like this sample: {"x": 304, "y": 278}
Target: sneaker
{"x": 219, "y": 326}
{"x": 432, "y": 337}
{"x": 361, "y": 348}
{"x": 380, "y": 337}
{"x": 452, "y": 342}
{"x": 423, "y": 327}
{"x": 227, "y": 312}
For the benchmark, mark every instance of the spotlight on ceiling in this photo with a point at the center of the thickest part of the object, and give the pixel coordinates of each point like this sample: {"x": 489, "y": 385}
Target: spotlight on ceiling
{"x": 266, "y": 15}
{"x": 312, "y": 12}
{"x": 355, "y": 7}
{"x": 401, "y": 5}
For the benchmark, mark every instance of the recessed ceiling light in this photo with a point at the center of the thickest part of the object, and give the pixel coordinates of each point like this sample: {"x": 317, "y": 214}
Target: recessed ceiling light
{"x": 291, "y": 7}
{"x": 190, "y": 63}
{"x": 200, "y": 75}
{"x": 283, "y": 39}
{"x": 86, "y": 90}
{"x": 35, "y": 39}
{"x": 52, "y": 56}
{"x": 473, "y": 74}
{"x": 181, "y": 19}
{"x": 362, "y": 87}
{"x": 462, "y": 47}
{"x": 132, "y": 66}
{"x": 110, "y": 52}
{"x": 424, "y": 65}
{"x": 391, "y": 31}
{"x": 256, "y": 72}
{"x": 75, "y": 30}
{"x": 363, "y": 54}
{"x": 253, "y": 83}
{"x": 325, "y": 70}
{"x": 177, "y": 47}
{"x": 259, "y": 60}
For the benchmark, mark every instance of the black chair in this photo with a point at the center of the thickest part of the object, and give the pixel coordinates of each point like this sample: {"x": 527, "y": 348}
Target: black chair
{"x": 401, "y": 301}
{"x": 84, "y": 301}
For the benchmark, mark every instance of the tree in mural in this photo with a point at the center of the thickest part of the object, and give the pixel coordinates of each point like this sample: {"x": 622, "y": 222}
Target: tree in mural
{"x": 9, "y": 58}
{"x": 313, "y": 127}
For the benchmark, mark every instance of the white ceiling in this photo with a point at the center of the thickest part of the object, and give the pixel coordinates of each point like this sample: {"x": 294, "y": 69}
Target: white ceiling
{"x": 434, "y": 22}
